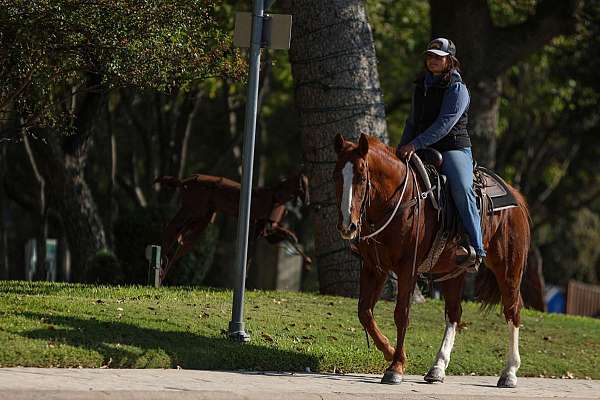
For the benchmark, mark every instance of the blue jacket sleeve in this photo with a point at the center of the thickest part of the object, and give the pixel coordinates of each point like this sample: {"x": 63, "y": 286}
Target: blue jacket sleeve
{"x": 454, "y": 104}
{"x": 409, "y": 127}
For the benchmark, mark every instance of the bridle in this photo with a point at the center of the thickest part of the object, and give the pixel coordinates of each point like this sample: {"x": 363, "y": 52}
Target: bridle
{"x": 399, "y": 205}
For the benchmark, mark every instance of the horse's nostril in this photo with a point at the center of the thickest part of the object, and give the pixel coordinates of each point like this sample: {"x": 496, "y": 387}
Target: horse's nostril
{"x": 352, "y": 227}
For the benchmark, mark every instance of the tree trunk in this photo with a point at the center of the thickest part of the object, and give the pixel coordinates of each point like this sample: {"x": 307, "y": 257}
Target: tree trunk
{"x": 336, "y": 91}
{"x": 42, "y": 229}
{"x": 62, "y": 163}
{"x": 83, "y": 226}
{"x": 61, "y": 160}
{"x": 4, "y": 270}
{"x": 483, "y": 120}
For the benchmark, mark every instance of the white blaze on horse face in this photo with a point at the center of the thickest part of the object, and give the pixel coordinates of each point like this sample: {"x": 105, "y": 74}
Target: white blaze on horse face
{"x": 346, "y": 206}
{"x": 443, "y": 356}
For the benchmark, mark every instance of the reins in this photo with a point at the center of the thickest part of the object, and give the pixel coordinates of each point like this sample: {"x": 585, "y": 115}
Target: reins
{"x": 398, "y": 204}
{"x": 415, "y": 201}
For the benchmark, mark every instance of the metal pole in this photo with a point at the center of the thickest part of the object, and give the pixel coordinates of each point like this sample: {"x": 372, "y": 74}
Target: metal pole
{"x": 236, "y": 325}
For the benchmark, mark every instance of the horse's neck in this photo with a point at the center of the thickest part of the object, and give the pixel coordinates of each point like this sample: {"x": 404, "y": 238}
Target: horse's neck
{"x": 387, "y": 178}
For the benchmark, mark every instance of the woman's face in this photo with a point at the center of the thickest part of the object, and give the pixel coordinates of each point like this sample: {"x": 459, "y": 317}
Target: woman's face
{"x": 436, "y": 64}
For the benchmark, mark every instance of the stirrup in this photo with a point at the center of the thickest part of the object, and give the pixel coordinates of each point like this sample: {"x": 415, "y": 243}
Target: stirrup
{"x": 469, "y": 261}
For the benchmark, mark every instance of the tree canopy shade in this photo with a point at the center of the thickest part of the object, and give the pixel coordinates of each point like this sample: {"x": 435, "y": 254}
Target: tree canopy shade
{"x": 61, "y": 58}
{"x": 492, "y": 36}
{"x": 51, "y": 47}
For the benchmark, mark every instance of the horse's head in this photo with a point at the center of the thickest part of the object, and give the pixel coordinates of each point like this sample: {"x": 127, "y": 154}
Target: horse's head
{"x": 351, "y": 183}
{"x": 294, "y": 187}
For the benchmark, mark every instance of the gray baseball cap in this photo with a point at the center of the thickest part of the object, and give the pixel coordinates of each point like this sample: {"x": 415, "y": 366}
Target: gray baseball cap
{"x": 441, "y": 47}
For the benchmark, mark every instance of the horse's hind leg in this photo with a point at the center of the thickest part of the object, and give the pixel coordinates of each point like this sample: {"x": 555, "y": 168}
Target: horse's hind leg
{"x": 452, "y": 290}
{"x": 507, "y": 260}
{"x": 371, "y": 285}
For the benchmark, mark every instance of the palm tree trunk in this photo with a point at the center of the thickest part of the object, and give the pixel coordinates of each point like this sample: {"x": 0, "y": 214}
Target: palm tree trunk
{"x": 336, "y": 91}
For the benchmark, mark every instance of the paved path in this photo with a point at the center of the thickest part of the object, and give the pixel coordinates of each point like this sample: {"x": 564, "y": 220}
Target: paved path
{"x": 153, "y": 384}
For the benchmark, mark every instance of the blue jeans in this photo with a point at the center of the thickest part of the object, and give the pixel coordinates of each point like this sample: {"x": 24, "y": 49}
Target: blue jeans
{"x": 458, "y": 168}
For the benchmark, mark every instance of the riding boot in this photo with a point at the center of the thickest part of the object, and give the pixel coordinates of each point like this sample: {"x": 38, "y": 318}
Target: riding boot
{"x": 468, "y": 259}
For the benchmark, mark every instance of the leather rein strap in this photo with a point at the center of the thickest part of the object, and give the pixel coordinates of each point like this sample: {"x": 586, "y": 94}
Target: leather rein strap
{"x": 367, "y": 195}
{"x": 414, "y": 201}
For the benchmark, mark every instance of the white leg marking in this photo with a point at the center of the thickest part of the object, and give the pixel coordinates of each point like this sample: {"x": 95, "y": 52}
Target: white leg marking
{"x": 513, "y": 359}
{"x": 443, "y": 356}
{"x": 345, "y": 207}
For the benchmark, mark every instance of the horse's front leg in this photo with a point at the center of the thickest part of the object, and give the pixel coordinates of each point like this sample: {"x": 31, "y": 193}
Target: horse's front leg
{"x": 394, "y": 373}
{"x": 372, "y": 281}
{"x": 452, "y": 290}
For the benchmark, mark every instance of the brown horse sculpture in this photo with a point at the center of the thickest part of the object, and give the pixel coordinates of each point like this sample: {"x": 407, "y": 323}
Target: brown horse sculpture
{"x": 371, "y": 182}
{"x": 202, "y": 196}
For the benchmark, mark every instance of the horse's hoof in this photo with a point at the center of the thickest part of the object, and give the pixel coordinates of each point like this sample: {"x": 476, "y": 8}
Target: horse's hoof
{"x": 435, "y": 375}
{"x": 391, "y": 378}
{"x": 507, "y": 381}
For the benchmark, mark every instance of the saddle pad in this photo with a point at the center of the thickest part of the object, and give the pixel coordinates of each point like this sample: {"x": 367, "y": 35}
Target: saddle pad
{"x": 497, "y": 189}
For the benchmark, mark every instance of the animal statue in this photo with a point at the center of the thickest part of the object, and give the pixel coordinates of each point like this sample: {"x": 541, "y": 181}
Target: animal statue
{"x": 202, "y": 196}
{"x": 383, "y": 208}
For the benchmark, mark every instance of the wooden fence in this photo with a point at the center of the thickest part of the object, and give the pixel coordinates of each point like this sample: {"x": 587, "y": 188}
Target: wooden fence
{"x": 583, "y": 299}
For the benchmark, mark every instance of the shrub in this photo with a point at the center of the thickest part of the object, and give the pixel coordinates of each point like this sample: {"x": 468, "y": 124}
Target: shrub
{"x": 103, "y": 268}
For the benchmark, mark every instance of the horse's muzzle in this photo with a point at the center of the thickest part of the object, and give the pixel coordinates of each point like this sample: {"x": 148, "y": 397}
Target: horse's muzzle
{"x": 349, "y": 232}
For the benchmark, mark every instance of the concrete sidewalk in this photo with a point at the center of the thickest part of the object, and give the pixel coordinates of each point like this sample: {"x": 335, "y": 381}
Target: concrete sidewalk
{"x": 153, "y": 384}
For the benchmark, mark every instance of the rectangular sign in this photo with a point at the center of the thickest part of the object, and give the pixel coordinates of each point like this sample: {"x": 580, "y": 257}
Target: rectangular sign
{"x": 277, "y": 30}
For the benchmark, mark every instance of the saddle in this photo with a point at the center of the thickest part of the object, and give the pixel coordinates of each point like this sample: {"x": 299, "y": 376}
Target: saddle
{"x": 486, "y": 183}
{"x": 491, "y": 192}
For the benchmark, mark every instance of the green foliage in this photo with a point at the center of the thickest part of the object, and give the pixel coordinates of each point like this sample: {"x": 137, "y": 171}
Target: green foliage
{"x": 63, "y": 325}
{"x": 51, "y": 48}
{"x": 506, "y": 13}
{"x": 401, "y": 30}
{"x": 548, "y": 146}
{"x": 103, "y": 268}
{"x": 572, "y": 252}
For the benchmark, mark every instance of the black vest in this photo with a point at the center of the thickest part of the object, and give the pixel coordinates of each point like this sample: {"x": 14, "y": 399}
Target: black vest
{"x": 428, "y": 103}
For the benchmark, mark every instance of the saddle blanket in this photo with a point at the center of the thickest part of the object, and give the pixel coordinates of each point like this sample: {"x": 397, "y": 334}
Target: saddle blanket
{"x": 496, "y": 188}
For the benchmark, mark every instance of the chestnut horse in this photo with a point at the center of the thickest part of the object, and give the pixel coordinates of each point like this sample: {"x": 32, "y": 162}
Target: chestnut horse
{"x": 202, "y": 196}
{"x": 371, "y": 182}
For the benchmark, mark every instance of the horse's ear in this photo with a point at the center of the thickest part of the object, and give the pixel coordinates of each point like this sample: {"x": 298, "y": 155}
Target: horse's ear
{"x": 363, "y": 145}
{"x": 338, "y": 143}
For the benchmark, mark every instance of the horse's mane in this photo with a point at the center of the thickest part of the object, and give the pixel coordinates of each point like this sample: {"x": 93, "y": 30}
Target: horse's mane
{"x": 386, "y": 152}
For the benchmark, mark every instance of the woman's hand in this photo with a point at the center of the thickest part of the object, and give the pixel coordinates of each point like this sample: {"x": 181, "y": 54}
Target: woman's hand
{"x": 403, "y": 152}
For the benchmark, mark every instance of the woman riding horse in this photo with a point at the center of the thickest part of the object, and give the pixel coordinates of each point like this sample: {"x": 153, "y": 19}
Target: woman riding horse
{"x": 438, "y": 119}
{"x": 382, "y": 208}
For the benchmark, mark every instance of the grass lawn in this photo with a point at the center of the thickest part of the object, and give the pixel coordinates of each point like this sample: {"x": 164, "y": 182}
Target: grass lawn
{"x": 66, "y": 325}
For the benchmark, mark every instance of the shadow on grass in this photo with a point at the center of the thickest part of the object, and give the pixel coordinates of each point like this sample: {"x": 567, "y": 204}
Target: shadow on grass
{"x": 154, "y": 348}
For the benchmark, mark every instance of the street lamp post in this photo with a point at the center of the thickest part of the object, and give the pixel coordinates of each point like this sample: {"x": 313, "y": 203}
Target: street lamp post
{"x": 272, "y": 31}
{"x": 237, "y": 330}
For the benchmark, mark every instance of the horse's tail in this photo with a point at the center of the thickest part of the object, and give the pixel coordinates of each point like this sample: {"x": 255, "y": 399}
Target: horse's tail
{"x": 170, "y": 181}
{"x": 487, "y": 289}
